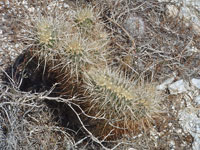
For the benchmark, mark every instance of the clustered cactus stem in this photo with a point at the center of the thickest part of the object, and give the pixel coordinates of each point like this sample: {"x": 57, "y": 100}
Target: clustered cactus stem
{"x": 85, "y": 18}
{"x": 76, "y": 49}
{"x": 45, "y": 32}
{"x": 77, "y": 53}
{"x": 122, "y": 102}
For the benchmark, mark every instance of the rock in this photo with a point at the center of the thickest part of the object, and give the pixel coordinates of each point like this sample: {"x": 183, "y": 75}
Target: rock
{"x": 131, "y": 149}
{"x": 190, "y": 122}
{"x": 178, "y": 87}
{"x": 197, "y": 100}
{"x": 196, "y": 83}
{"x": 164, "y": 85}
{"x": 193, "y": 49}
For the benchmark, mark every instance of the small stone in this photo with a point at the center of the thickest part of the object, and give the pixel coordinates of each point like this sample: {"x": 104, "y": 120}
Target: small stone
{"x": 197, "y": 100}
{"x": 196, "y": 83}
{"x": 16, "y": 45}
{"x": 164, "y": 85}
{"x": 172, "y": 145}
{"x": 179, "y": 86}
{"x": 172, "y": 10}
{"x": 65, "y": 5}
{"x": 198, "y": 114}
{"x": 32, "y": 9}
{"x": 191, "y": 123}
{"x": 179, "y": 131}
{"x": 193, "y": 49}
{"x": 170, "y": 124}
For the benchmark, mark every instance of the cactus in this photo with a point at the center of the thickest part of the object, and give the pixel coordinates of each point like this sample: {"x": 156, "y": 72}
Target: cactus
{"x": 88, "y": 22}
{"x": 84, "y": 46}
{"x": 85, "y": 17}
{"x": 124, "y": 104}
{"x": 77, "y": 50}
{"x": 77, "y": 54}
{"x": 46, "y": 33}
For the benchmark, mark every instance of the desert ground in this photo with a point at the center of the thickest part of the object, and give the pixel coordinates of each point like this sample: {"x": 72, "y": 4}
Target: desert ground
{"x": 99, "y": 74}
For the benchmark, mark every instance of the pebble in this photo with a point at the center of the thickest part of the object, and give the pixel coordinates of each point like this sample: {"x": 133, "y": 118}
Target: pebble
{"x": 191, "y": 123}
{"x": 164, "y": 85}
{"x": 178, "y": 87}
{"x": 196, "y": 82}
{"x": 172, "y": 145}
{"x": 197, "y": 100}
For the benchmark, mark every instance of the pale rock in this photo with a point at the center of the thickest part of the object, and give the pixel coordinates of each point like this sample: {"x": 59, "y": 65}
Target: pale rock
{"x": 190, "y": 122}
{"x": 178, "y": 87}
{"x": 164, "y": 85}
{"x": 198, "y": 113}
{"x": 132, "y": 149}
{"x": 193, "y": 49}
{"x": 197, "y": 100}
{"x": 172, "y": 10}
{"x": 17, "y": 45}
{"x": 196, "y": 83}
{"x": 31, "y": 9}
{"x": 172, "y": 145}
{"x": 65, "y": 5}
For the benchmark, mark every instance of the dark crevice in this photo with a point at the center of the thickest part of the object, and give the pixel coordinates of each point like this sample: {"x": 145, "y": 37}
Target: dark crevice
{"x": 34, "y": 77}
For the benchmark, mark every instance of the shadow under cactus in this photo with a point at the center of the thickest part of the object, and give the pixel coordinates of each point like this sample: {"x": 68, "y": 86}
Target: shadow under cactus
{"x": 29, "y": 76}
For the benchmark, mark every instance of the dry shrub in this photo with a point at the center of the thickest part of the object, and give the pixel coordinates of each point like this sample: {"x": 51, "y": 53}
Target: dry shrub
{"x": 27, "y": 123}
